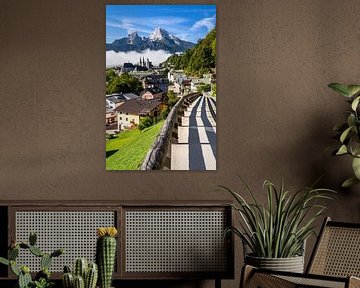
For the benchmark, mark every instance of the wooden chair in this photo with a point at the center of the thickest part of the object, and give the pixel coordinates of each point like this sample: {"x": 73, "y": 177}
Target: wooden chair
{"x": 335, "y": 262}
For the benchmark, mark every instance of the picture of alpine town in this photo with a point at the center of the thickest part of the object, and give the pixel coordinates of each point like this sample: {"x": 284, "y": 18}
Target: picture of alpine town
{"x": 161, "y": 87}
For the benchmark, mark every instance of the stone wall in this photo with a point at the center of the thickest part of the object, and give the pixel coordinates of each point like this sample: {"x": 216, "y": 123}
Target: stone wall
{"x": 158, "y": 157}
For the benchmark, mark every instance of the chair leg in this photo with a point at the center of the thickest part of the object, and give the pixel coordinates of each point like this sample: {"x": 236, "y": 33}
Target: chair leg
{"x": 217, "y": 283}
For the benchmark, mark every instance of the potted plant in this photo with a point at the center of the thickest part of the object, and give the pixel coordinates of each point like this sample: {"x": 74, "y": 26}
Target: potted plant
{"x": 348, "y": 132}
{"x": 276, "y": 233}
{"x": 42, "y": 278}
{"x": 84, "y": 274}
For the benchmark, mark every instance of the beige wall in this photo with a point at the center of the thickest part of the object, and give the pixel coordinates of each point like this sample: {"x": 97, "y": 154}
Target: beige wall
{"x": 127, "y": 120}
{"x": 275, "y": 113}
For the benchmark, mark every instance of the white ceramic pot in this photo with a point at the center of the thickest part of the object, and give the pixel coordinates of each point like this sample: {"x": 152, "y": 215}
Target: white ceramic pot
{"x": 291, "y": 264}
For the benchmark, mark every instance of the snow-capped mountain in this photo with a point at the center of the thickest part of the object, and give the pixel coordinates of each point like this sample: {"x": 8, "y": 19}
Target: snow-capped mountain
{"x": 159, "y": 39}
{"x": 159, "y": 34}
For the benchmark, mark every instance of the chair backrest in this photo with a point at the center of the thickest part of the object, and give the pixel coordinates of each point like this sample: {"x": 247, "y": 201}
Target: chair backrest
{"x": 337, "y": 251}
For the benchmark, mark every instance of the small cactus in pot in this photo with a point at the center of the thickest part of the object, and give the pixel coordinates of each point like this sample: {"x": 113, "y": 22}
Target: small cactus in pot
{"x": 85, "y": 275}
{"x": 106, "y": 254}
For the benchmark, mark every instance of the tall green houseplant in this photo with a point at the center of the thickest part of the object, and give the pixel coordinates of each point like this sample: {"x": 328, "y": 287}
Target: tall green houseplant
{"x": 348, "y": 132}
{"x": 279, "y": 228}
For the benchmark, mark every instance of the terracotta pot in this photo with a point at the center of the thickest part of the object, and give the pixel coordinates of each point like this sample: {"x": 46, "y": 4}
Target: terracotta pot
{"x": 291, "y": 264}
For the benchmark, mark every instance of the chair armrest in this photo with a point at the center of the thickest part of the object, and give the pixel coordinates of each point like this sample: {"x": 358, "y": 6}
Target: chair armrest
{"x": 354, "y": 282}
{"x": 254, "y": 277}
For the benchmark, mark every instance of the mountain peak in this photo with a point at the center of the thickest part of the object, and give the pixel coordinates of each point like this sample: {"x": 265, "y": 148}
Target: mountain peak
{"x": 159, "y": 34}
{"x": 133, "y": 34}
{"x": 133, "y": 38}
{"x": 159, "y": 39}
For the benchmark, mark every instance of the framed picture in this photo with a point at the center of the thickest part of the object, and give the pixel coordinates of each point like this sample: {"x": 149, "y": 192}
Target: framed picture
{"x": 161, "y": 87}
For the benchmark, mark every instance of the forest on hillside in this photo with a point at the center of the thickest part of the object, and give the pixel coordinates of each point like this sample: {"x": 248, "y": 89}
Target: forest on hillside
{"x": 197, "y": 60}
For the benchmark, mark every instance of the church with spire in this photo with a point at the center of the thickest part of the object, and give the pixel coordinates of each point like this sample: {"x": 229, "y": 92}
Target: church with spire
{"x": 146, "y": 63}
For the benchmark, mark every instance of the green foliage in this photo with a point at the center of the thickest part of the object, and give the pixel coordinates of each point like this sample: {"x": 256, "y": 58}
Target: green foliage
{"x": 165, "y": 112}
{"x": 172, "y": 98}
{"x": 349, "y": 131}
{"x": 42, "y": 278}
{"x": 131, "y": 147}
{"x": 43, "y": 283}
{"x": 110, "y": 74}
{"x": 279, "y": 229}
{"x": 36, "y": 251}
{"x": 145, "y": 122}
{"x": 24, "y": 280}
{"x": 85, "y": 274}
{"x": 125, "y": 83}
{"x": 204, "y": 88}
{"x": 199, "y": 59}
{"x": 214, "y": 89}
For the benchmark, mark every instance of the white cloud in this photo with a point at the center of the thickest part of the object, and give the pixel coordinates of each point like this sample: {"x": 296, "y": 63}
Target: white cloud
{"x": 209, "y": 23}
{"x": 147, "y": 24}
{"x": 118, "y": 58}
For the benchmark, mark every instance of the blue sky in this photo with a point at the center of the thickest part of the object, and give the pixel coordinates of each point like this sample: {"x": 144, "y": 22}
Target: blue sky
{"x": 188, "y": 22}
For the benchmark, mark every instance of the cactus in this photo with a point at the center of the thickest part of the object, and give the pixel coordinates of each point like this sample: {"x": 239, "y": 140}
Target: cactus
{"x": 32, "y": 238}
{"x": 13, "y": 253}
{"x": 105, "y": 254}
{"x": 14, "y": 268}
{"x": 79, "y": 282}
{"x": 90, "y": 272}
{"x": 80, "y": 268}
{"x": 68, "y": 280}
{"x": 36, "y": 251}
{"x": 44, "y": 273}
{"x": 4, "y": 261}
{"x": 91, "y": 276}
{"x": 57, "y": 252}
{"x": 24, "y": 246}
{"x": 24, "y": 278}
{"x": 67, "y": 269}
{"x": 45, "y": 261}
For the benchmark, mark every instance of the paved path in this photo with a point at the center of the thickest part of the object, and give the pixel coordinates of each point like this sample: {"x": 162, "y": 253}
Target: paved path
{"x": 196, "y": 147}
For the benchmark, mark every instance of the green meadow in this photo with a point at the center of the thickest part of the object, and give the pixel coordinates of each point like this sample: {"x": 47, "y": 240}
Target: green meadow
{"x": 128, "y": 150}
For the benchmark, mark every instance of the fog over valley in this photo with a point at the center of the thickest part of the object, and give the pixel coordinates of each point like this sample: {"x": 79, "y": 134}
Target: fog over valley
{"x": 119, "y": 58}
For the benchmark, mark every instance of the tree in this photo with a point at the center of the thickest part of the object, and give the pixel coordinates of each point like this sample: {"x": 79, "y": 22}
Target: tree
{"x": 145, "y": 122}
{"x": 164, "y": 112}
{"x": 199, "y": 59}
{"x": 125, "y": 83}
{"x": 172, "y": 98}
{"x": 110, "y": 74}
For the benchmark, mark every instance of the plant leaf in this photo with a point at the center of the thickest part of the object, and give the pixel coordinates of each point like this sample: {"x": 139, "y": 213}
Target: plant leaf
{"x": 355, "y": 103}
{"x": 4, "y": 261}
{"x": 345, "y": 134}
{"x": 356, "y": 167}
{"x": 349, "y": 182}
{"x": 351, "y": 120}
{"x": 340, "y": 88}
{"x": 353, "y": 89}
{"x": 342, "y": 150}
